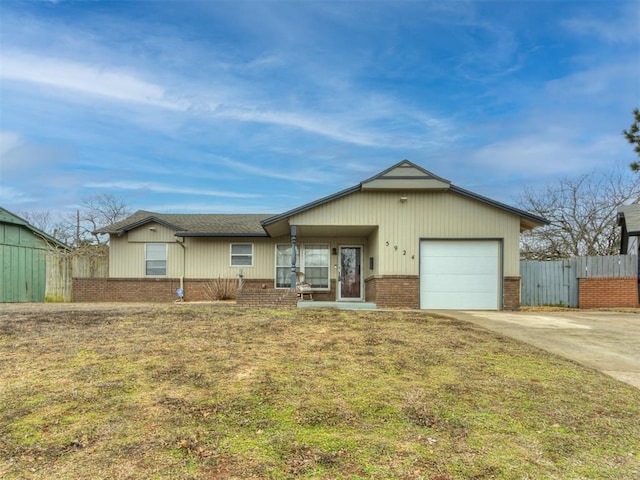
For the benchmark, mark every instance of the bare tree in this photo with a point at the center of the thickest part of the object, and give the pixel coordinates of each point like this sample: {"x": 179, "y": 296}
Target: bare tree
{"x": 582, "y": 213}
{"x": 76, "y": 228}
{"x": 98, "y": 211}
{"x": 56, "y": 225}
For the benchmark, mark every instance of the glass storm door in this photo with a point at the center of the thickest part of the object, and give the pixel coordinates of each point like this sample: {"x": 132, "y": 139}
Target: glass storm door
{"x": 350, "y": 273}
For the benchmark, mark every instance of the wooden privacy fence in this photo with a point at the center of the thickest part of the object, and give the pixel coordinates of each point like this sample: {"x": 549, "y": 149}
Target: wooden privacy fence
{"x": 62, "y": 267}
{"x": 556, "y": 282}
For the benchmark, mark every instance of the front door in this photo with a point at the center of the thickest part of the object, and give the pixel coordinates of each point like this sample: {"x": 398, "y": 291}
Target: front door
{"x": 350, "y": 277}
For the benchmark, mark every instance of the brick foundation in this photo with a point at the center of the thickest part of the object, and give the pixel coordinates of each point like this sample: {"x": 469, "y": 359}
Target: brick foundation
{"x": 143, "y": 289}
{"x": 393, "y": 291}
{"x": 267, "y": 297}
{"x": 511, "y": 293}
{"x": 608, "y": 292}
{"x": 259, "y": 292}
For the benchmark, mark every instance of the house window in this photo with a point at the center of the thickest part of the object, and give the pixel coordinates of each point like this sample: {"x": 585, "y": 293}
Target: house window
{"x": 155, "y": 256}
{"x": 314, "y": 262}
{"x": 242, "y": 254}
{"x": 283, "y": 265}
{"x": 316, "y": 265}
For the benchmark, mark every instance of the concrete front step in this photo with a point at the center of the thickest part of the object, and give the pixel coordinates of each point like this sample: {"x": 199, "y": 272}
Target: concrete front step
{"x": 337, "y": 305}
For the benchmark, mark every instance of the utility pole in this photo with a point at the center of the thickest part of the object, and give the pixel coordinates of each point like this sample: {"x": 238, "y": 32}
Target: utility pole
{"x": 77, "y": 228}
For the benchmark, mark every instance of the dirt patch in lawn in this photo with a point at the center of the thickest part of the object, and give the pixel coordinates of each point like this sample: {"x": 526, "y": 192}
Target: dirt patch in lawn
{"x": 206, "y": 391}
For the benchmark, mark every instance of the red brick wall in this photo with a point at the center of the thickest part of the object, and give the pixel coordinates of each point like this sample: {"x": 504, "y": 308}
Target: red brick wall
{"x": 511, "y": 300}
{"x": 138, "y": 289}
{"x": 394, "y": 291}
{"x": 164, "y": 290}
{"x": 125, "y": 289}
{"x": 404, "y": 292}
{"x": 608, "y": 292}
{"x": 271, "y": 297}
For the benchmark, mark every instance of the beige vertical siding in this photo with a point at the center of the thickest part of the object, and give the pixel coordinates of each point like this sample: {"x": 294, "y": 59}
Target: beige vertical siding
{"x": 394, "y": 244}
{"x": 126, "y": 253}
{"x": 423, "y": 215}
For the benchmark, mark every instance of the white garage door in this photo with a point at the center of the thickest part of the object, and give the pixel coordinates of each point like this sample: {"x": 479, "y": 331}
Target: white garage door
{"x": 459, "y": 274}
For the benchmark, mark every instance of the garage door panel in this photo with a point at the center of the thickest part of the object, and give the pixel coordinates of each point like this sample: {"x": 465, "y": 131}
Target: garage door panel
{"x": 466, "y": 302}
{"x": 459, "y": 274}
{"x": 466, "y": 284}
{"x": 460, "y": 266}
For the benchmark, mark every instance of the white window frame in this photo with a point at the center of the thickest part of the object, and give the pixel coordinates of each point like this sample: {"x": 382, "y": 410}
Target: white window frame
{"x": 300, "y": 263}
{"x": 243, "y": 255}
{"x": 327, "y": 266}
{"x": 147, "y": 260}
{"x": 288, "y": 266}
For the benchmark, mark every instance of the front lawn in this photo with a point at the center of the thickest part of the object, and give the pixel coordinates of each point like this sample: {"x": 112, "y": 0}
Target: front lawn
{"x": 221, "y": 392}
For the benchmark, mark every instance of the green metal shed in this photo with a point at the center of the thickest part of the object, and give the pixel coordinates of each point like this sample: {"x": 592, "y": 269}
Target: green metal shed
{"x": 23, "y": 252}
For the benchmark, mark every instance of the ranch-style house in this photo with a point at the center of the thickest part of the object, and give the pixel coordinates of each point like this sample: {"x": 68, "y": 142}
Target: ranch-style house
{"x": 404, "y": 238}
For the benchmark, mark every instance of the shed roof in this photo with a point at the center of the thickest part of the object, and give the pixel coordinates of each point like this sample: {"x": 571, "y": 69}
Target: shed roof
{"x": 629, "y": 216}
{"x": 11, "y": 218}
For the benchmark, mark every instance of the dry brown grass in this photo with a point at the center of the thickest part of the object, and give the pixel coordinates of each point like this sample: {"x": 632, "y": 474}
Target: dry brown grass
{"x": 220, "y": 392}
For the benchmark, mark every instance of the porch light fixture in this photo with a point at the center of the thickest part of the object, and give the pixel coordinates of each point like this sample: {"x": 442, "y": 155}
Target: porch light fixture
{"x": 153, "y": 229}
{"x": 403, "y": 199}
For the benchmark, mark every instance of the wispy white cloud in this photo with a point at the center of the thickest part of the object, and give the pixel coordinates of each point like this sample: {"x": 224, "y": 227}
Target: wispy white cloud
{"x": 546, "y": 155}
{"x": 160, "y": 188}
{"x": 622, "y": 27}
{"x": 9, "y": 141}
{"x": 303, "y": 172}
{"x": 83, "y": 78}
{"x": 13, "y": 196}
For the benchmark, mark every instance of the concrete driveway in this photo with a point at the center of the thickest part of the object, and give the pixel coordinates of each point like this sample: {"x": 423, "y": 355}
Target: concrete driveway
{"x": 605, "y": 341}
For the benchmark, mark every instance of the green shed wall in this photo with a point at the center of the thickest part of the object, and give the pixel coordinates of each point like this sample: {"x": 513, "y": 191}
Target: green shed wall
{"x": 23, "y": 262}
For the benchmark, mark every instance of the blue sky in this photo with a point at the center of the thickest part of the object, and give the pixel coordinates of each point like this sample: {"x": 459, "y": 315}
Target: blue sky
{"x": 259, "y": 107}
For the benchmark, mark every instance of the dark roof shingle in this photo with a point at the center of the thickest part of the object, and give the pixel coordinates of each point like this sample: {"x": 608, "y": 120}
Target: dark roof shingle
{"x": 631, "y": 215}
{"x": 194, "y": 224}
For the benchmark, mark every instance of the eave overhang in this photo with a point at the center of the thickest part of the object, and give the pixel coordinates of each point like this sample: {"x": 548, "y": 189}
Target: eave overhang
{"x": 221, "y": 235}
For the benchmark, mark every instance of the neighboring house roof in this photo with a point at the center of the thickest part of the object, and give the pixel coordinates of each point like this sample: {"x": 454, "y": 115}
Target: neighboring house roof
{"x": 194, "y": 225}
{"x": 11, "y": 218}
{"x": 407, "y": 176}
{"x": 629, "y": 219}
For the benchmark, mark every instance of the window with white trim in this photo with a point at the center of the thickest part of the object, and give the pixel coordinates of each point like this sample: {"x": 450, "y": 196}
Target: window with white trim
{"x": 316, "y": 265}
{"x": 242, "y": 254}
{"x": 312, "y": 260}
{"x": 283, "y": 265}
{"x": 155, "y": 259}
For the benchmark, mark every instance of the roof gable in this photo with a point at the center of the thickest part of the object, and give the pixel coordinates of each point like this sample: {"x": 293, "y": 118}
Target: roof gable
{"x": 629, "y": 217}
{"x": 405, "y": 176}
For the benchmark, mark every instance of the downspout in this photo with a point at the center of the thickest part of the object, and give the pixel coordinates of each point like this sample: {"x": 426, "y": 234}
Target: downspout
{"x": 184, "y": 262}
{"x": 294, "y": 239}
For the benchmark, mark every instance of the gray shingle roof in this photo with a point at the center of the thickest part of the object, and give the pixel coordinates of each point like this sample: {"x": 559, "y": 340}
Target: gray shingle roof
{"x": 194, "y": 225}
{"x": 630, "y": 214}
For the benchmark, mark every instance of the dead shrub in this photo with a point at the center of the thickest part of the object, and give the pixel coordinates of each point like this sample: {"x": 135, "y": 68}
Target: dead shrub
{"x": 221, "y": 289}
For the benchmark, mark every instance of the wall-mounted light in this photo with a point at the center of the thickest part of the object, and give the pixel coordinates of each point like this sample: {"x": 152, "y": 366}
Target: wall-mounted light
{"x": 403, "y": 199}
{"x": 334, "y": 251}
{"x": 153, "y": 229}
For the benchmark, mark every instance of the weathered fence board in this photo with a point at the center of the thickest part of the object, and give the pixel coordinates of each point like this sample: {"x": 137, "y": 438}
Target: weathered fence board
{"x": 607, "y": 267}
{"x": 549, "y": 283}
{"x": 63, "y": 267}
{"x": 556, "y": 282}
